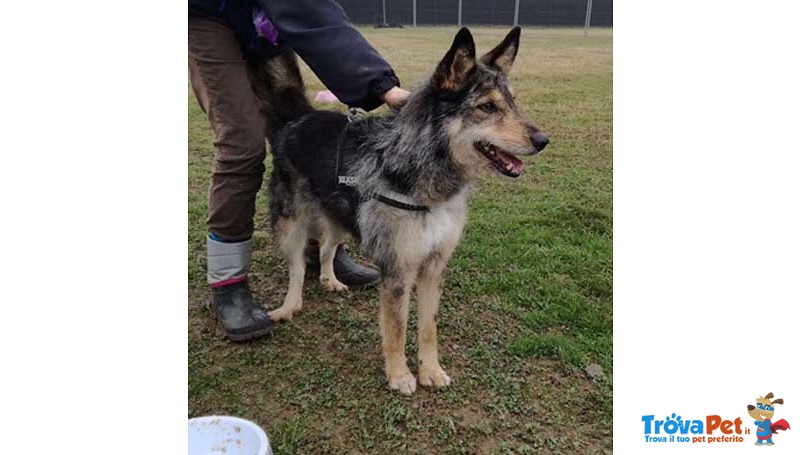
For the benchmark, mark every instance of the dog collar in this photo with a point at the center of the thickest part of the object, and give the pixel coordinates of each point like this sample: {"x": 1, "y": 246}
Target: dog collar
{"x": 400, "y": 204}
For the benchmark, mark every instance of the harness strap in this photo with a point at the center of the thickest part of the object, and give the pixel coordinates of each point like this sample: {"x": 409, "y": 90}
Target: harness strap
{"x": 352, "y": 181}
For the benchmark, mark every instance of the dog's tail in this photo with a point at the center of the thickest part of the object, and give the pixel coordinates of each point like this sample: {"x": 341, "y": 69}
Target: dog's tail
{"x": 281, "y": 88}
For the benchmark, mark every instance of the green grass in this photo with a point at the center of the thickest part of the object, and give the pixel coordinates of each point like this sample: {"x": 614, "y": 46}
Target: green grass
{"x": 527, "y": 302}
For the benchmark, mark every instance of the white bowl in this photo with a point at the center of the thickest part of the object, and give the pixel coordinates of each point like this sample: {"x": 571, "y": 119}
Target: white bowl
{"x": 225, "y": 435}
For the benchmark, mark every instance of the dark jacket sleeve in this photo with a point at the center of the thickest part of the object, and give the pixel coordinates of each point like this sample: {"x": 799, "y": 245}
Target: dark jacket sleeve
{"x": 322, "y": 35}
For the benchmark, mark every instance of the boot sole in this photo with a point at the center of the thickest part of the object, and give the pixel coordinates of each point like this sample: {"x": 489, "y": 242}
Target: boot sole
{"x": 365, "y": 285}
{"x": 237, "y": 337}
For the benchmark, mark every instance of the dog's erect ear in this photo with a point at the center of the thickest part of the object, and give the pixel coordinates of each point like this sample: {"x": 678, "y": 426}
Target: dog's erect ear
{"x": 778, "y": 401}
{"x": 504, "y": 54}
{"x": 769, "y": 395}
{"x": 458, "y": 64}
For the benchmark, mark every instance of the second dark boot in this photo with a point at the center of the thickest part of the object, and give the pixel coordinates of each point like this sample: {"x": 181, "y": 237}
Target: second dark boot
{"x": 348, "y": 271}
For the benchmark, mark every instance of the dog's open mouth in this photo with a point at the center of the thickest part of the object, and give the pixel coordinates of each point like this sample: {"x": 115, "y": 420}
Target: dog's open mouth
{"x": 504, "y": 162}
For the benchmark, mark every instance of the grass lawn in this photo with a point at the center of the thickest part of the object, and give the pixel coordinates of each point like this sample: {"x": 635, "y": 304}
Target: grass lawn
{"x": 527, "y": 303}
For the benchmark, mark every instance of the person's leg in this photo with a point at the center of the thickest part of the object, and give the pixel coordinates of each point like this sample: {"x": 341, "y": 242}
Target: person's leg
{"x": 219, "y": 76}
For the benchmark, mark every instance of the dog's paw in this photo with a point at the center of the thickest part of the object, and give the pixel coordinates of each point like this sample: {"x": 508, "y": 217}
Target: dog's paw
{"x": 405, "y": 383}
{"x": 291, "y": 305}
{"x": 330, "y": 283}
{"x": 281, "y": 314}
{"x": 433, "y": 377}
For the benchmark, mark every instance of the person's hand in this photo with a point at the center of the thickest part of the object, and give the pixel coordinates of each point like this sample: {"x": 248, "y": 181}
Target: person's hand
{"x": 396, "y": 97}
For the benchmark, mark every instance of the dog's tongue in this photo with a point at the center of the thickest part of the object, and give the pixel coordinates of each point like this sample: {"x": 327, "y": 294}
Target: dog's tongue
{"x": 510, "y": 163}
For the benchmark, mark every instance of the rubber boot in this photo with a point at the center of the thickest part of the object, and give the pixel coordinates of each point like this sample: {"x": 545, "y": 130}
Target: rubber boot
{"x": 232, "y": 303}
{"x": 349, "y": 272}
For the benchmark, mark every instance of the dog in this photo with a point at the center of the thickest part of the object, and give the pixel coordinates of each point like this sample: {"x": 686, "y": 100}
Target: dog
{"x": 399, "y": 184}
{"x": 763, "y": 412}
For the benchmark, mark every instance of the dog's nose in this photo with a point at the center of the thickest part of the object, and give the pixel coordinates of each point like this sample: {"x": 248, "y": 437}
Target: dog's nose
{"x": 539, "y": 140}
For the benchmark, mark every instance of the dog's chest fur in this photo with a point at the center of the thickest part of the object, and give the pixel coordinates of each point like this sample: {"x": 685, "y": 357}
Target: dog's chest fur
{"x": 444, "y": 221}
{"x": 411, "y": 237}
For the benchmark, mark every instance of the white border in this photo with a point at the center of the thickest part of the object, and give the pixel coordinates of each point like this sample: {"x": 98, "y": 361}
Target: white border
{"x": 93, "y": 190}
{"x": 706, "y": 224}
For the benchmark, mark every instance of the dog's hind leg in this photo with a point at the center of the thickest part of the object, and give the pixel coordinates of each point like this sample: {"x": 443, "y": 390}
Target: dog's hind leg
{"x": 394, "y": 295}
{"x": 330, "y": 238}
{"x": 429, "y": 290}
{"x": 293, "y": 234}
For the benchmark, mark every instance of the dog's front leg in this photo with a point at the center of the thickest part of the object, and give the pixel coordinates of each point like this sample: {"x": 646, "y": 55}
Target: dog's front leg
{"x": 394, "y": 295}
{"x": 429, "y": 289}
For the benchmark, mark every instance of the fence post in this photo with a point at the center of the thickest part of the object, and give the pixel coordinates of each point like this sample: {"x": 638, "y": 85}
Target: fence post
{"x": 415, "y": 12}
{"x": 588, "y": 17}
{"x": 459, "y": 13}
{"x": 516, "y": 13}
{"x": 384, "y": 12}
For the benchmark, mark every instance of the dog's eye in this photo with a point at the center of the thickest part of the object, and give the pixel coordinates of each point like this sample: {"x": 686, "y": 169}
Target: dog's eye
{"x": 488, "y": 107}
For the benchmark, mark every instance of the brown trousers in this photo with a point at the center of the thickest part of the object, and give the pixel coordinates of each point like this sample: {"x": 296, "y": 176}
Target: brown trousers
{"x": 234, "y": 96}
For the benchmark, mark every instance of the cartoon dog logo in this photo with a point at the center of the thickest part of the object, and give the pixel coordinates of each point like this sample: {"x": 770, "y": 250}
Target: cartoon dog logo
{"x": 763, "y": 412}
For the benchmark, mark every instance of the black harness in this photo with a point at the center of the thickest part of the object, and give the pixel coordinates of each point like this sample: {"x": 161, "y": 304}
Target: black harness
{"x": 350, "y": 181}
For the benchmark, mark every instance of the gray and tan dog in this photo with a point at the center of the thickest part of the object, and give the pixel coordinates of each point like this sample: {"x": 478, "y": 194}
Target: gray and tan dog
{"x": 399, "y": 185}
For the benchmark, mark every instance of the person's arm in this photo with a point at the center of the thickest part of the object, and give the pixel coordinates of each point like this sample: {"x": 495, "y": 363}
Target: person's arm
{"x": 322, "y": 35}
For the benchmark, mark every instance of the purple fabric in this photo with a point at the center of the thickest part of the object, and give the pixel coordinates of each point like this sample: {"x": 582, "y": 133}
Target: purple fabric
{"x": 264, "y": 27}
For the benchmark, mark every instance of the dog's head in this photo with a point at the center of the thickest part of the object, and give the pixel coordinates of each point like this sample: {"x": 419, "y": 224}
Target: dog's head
{"x": 482, "y": 121}
{"x": 764, "y": 408}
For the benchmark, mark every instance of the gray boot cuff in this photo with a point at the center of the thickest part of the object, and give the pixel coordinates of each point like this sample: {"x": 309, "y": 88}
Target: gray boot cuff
{"x": 228, "y": 262}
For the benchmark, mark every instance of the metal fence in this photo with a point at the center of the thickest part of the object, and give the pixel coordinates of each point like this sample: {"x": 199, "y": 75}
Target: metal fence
{"x": 480, "y": 12}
